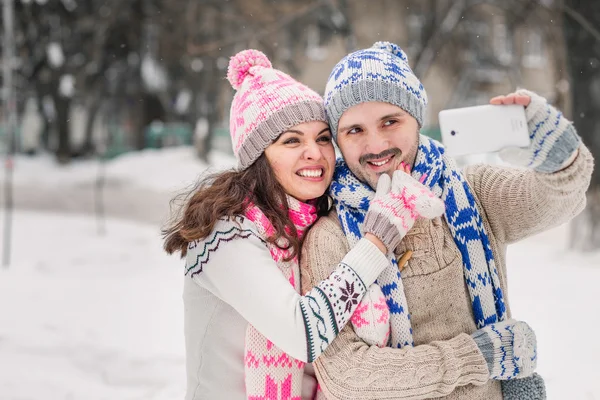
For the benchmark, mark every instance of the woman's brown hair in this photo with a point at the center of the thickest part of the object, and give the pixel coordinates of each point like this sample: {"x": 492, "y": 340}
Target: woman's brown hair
{"x": 226, "y": 194}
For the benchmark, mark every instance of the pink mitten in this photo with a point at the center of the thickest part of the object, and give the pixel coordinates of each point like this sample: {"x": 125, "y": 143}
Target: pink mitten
{"x": 371, "y": 320}
{"x": 398, "y": 202}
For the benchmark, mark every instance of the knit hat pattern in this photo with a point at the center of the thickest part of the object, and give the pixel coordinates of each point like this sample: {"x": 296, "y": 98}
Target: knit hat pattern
{"x": 266, "y": 104}
{"x": 380, "y": 73}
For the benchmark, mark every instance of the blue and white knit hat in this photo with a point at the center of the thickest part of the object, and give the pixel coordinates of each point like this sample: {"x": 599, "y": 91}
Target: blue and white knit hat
{"x": 380, "y": 73}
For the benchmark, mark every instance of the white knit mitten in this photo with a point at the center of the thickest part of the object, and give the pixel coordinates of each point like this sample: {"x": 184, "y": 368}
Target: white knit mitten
{"x": 398, "y": 202}
{"x": 509, "y": 347}
{"x": 371, "y": 319}
{"x": 554, "y": 140}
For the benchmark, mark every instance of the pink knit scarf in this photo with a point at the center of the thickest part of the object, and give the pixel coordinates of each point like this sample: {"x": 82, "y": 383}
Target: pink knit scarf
{"x": 270, "y": 373}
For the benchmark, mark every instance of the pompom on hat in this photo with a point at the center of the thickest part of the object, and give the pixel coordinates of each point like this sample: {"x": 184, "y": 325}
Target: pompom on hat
{"x": 380, "y": 73}
{"x": 267, "y": 103}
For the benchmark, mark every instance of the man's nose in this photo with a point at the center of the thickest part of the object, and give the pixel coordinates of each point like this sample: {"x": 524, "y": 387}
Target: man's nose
{"x": 377, "y": 142}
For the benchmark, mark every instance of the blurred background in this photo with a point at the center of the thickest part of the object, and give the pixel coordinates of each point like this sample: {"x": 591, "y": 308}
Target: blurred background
{"x": 111, "y": 107}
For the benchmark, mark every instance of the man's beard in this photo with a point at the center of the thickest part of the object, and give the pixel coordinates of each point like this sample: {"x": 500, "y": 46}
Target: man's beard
{"x": 360, "y": 169}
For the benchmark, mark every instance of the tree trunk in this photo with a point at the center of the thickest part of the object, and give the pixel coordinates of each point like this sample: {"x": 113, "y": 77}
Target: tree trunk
{"x": 63, "y": 150}
{"x": 88, "y": 146}
{"x": 47, "y": 126}
{"x": 584, "y": 63}
{"x": 210, "y": 98}
{"x": 136, "y": 121}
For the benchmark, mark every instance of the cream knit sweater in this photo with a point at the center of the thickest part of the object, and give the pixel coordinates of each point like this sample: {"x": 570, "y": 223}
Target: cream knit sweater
{"x": 445, "y": 361}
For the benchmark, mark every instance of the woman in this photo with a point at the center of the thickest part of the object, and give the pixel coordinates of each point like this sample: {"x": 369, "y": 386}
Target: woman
{"x": 241, "y": 232}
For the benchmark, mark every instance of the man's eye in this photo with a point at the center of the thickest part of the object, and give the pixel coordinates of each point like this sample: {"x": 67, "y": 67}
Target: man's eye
{"x": 390, "y": 122}
{"x": 354, "y": 131}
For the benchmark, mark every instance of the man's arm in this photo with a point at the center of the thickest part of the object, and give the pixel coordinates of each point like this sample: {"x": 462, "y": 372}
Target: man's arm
{"x": 519, "y": 203}
{"x": 550, "y": 190}
{"x": 235, "y": 265}
{"x": 351, "y": 369}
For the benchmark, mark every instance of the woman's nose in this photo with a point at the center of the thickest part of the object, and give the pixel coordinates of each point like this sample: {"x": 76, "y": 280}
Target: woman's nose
{"x": 312, "y": 151}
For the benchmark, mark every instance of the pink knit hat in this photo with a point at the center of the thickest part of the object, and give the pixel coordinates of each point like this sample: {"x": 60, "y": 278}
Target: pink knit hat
{"x": 267, "y": 103}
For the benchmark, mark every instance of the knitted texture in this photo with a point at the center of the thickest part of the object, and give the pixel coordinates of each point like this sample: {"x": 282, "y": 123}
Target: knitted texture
{"x": 269, "y": 372}
{"x": 397, "y": 203}
{"x": 352, "y": 199}
{"x": 324, "y": 310}
{"x": 210, "y": 245}
{"x": 509, "y": 348}
{"x": 530, "y": 388}
{"x": 380, "y": 73}
{"x": 371, "y": 319}
{"x": 553, "y": 138}
{"x": 267, "y": 103}
{"x": 518, "y": 203}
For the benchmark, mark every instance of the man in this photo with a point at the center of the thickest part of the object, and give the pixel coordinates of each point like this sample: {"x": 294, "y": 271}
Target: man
{"x": 451, "y": 332}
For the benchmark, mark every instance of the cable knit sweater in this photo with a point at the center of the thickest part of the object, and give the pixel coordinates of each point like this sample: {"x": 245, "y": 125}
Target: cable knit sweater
{"x": 232, "y": 281}
{"x": 445, "y": 362}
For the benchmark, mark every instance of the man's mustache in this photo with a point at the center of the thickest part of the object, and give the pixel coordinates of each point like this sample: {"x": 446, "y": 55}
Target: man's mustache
{"x": 386, "y": 153}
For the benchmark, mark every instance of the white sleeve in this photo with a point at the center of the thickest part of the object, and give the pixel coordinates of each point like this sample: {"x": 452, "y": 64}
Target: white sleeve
{"x": 236, "y": 266}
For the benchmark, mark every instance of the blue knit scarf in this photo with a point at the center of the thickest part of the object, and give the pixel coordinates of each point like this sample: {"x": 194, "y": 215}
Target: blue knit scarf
{"x": 441, "y": 175}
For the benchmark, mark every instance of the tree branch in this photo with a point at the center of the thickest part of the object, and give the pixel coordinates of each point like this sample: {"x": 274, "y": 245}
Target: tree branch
{"x": 195, "y": 50}
{"x": 441, "y": 35}
{"x": 585, "y": 24}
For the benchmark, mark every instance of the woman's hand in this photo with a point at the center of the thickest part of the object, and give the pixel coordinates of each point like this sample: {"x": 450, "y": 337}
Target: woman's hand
{"x": 397, "y": 204}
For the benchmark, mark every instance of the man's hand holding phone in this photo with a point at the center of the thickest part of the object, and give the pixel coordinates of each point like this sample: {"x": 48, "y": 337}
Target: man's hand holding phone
{"x": 513, "y": 98}
{"x": 554, "y": 141}
{"x": 521, "y": 126}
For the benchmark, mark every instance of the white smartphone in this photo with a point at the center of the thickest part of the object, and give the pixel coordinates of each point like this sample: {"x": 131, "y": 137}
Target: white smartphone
{"x": 483, "y": 129}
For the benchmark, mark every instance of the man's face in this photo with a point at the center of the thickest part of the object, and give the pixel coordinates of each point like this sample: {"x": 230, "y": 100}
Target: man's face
{"x": 375, "y": 138}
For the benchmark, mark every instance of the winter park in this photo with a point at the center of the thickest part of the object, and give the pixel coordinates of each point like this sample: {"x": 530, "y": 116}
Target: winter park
{"x": 114, "y": 114}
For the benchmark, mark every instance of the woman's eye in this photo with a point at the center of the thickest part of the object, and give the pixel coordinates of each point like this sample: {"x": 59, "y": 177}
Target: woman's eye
{"x": 324, "y": 139}
{"x": 291, "y": 141}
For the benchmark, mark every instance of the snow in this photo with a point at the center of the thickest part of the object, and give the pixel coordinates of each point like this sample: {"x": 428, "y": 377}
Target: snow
{"x": 153, "y": 74}
{"x": 201, "y": 130}
{"x": 70, "y": 5}
{"x": 555, "y": 291}
{"x": 169, "y": 169}
{"x": 85, "y": 316}
{"x": 66, "y": 86}
{"x": 55, "y": 55}
{"x": 183, "y": 101}
{"x": 197, "y": 65}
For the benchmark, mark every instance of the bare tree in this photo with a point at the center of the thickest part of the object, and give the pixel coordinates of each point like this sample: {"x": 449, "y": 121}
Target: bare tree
{"x": 197, "y": 39}
{"x": 68, "y": 48}
{"x": 583, "y": 42}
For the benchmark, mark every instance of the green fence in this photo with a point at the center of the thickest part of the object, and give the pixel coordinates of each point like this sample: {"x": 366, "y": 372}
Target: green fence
{"x": 159, "y": 134}
{"x": 433, "y": 132}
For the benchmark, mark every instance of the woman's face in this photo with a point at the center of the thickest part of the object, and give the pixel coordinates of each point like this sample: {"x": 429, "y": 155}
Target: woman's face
{"x": 303, "y": 160}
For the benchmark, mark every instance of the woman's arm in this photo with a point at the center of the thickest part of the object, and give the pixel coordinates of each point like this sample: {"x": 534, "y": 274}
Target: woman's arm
{"x": 351, "y": 369}
{"x": 236, "y": 266}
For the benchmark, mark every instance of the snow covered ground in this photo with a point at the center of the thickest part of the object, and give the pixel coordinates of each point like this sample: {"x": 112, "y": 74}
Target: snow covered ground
{"x": 556, "y": 292}
{"x": 90, "y": 317}
{"x": 84, "y": 316}
{"x": 160, "y": 170}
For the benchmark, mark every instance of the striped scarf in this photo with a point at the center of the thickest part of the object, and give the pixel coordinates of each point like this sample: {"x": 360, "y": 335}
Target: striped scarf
{"x": 440, "y": 174}
{"x": 270, "y": 373}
